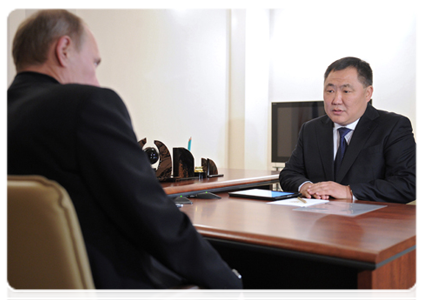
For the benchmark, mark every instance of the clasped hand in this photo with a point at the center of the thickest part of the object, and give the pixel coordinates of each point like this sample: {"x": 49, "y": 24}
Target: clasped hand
{"x": 324, "y": 190}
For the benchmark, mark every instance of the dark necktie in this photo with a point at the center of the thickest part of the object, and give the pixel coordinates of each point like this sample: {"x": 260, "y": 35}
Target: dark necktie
{"x": 343, "y": 131}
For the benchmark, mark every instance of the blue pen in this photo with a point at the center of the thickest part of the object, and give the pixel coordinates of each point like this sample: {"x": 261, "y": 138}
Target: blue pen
{"x": 189, "y": 144}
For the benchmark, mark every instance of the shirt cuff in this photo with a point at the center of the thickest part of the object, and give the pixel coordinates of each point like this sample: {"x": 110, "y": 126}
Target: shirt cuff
{"x": 299, "y": 188}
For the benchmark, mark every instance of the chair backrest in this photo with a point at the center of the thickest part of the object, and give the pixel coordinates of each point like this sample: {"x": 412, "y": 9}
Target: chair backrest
{"x": 45, "y": 248}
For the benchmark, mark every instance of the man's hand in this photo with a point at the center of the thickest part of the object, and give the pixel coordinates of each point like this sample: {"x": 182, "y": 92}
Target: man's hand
{"x": 304, "y": 189}
{"x": 324, "y": 190}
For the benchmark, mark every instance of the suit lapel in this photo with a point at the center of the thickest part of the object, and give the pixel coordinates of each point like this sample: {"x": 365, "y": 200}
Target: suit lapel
{"x": 324, "y": 136}
{"x": 362, "y": 132}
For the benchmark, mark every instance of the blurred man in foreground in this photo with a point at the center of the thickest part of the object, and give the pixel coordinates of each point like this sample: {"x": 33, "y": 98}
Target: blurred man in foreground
{"x": 63, "y": 126}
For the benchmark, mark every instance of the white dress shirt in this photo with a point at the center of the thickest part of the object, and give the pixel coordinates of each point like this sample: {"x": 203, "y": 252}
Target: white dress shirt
{"x": 336, "y": 141}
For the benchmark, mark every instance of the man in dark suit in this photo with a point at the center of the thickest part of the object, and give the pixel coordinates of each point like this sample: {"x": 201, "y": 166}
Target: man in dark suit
{"x": 63, "y": 126}
{"x": 379, "y": 151}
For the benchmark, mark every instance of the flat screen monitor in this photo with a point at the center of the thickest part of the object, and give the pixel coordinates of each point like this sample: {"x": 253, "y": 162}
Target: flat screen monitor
{"x": 287, "y": 118}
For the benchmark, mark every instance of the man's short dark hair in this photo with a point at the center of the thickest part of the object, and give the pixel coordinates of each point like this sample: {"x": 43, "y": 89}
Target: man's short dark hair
{"x": 365, "y": 73}
{"x": 35, "y": 35}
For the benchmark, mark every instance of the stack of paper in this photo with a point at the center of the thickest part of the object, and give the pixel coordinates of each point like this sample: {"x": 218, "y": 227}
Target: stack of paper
{"x": 297, "y": 202}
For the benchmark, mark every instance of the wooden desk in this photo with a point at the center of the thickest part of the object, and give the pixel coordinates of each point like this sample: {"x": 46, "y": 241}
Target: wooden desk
{"x": 275, "y": 247}
{"x": 232, "y": 179}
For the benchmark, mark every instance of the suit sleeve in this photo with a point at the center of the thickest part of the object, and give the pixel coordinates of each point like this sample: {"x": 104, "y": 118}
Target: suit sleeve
{"x": 120, "y": 176}
{"x": 397, "y": 182}
{"x": 294, "y": 174}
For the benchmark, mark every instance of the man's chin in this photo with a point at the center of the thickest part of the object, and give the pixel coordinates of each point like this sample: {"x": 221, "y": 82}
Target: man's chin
{"x": 338, "y": 119}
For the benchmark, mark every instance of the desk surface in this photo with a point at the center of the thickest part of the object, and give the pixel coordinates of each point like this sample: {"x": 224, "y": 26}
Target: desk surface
{"x": 374, "y": 237}
{"x": 232, "y": 179}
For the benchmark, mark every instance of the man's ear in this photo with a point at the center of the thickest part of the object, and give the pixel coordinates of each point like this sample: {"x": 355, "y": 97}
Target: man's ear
{"x": 369, "y": 93}
{"x": 62, "y": 50}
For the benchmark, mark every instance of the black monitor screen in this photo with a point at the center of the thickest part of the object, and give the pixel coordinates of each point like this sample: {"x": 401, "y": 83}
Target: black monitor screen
{"x": 287, "y": 118}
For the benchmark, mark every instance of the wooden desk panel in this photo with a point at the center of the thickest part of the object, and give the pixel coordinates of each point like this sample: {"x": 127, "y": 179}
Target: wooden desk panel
{"x": 232, "y": 179}
{"x": 367, "y": 242}
{"x": 371, "y": 237}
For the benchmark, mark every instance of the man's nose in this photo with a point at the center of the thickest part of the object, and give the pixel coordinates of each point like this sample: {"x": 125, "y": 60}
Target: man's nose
{"x": 337, "y": 98}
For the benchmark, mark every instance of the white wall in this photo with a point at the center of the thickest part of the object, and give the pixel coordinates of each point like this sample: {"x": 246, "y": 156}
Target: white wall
{"x": 257, "y": 128}
{"x": 249, "y": 132}
{"x": 236, "y": 120}
{"x": 170, "y": 67}
{"x": 211, "y": 74}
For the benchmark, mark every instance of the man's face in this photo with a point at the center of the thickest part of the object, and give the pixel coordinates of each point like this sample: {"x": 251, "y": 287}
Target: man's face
{"x": 345, "y": 97}
{"x": 83, "y": 63}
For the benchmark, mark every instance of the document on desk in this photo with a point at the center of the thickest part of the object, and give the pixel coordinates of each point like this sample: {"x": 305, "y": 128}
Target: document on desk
{"x": 341, "y": 208}
{"x": 302, "y": 202}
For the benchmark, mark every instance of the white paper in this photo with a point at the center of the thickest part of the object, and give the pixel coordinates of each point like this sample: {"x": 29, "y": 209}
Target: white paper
{"x": 297, "y": 202}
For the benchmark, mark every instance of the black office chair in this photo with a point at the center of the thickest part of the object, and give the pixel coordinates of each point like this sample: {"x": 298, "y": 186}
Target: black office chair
{"x": 45, "y": 252}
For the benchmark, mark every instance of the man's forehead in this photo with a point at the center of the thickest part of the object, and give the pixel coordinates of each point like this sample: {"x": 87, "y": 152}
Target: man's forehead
{"x": 342, "y": 77}
{"x": 345, "y": 85}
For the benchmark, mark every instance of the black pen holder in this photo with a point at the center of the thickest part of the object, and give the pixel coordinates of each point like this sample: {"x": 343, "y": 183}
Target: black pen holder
{"x": 209, "y": 167}
{"x": 183, "y": 163}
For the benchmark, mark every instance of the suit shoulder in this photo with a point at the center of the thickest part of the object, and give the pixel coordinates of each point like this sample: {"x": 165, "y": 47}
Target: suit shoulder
{"x": 392, "y": 117}
{"x": 389, "y": 114}
{"x": 87, "y": 91}
{"x": 85, "y": 95}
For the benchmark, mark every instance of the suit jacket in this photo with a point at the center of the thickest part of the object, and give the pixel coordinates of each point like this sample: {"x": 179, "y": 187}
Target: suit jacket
{"x": 379, "y": 163}
{"x": 81, "y": 136}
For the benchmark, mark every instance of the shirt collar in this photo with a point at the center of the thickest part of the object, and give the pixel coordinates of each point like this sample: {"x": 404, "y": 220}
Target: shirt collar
{"x": 350, "y": 126}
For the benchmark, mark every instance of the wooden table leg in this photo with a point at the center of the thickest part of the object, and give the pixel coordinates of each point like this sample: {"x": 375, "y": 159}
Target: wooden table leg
{"x": 397, "y": 274}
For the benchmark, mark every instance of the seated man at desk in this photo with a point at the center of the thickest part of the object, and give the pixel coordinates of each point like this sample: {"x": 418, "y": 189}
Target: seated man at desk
{"x": 63, "y": 126}
{"x": 355, "y": 151}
